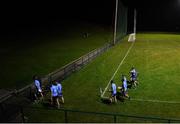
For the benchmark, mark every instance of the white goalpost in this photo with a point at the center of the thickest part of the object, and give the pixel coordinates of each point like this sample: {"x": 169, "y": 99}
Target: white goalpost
{"x": 132, "y": 37}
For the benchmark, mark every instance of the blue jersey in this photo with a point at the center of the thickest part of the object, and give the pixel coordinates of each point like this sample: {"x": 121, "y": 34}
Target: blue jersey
{"x": 123, "y": 78}
{"x": 133, "y": 73}
{"x": 113, "y": 86}
{"x": 54, "y": 90}
{"x": 125, "y": 85}
{"x": 59, "y": 88}
{"x": 38, "y": 86}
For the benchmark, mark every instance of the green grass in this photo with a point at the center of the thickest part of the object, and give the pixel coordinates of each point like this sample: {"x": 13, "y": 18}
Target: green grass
{"x": 21, "y": 59}
{"x": 156, "y": 58}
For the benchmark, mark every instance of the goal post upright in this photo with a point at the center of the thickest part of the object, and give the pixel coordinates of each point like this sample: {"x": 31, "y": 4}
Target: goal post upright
{"x": 132, "y": 36}
{"x": 135, "y": 16}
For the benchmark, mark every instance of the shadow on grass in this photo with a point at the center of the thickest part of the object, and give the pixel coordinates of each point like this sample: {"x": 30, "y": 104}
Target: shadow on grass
{"x": 47, "y": 104}
{"x": 119, "y": 96}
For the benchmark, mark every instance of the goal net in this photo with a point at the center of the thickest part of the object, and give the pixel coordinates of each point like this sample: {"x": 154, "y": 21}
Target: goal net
{"x": 122, "y": 20}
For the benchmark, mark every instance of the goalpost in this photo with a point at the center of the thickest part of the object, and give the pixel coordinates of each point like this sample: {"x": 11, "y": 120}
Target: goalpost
{"x": 132, "y": 36}
{"x": 120, "y": 21}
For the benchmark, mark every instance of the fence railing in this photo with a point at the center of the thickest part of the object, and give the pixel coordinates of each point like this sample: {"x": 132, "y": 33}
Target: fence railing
{"x": 77, "y": 64}
{"x": 60, "y": 74}
{"x": 66, "y": 116}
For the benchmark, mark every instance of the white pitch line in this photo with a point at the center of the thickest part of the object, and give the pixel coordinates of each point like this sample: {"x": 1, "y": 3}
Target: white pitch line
{"x": 157, "y": 101}
{"x": 117, "y": 68}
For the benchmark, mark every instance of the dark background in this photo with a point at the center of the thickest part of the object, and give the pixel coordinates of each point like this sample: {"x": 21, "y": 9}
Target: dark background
{"x": 159, "y": 15}
{"x": 33, "y": 18}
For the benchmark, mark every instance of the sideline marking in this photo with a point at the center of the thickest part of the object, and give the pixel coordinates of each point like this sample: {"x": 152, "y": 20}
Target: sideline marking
{"x": 158, "y": 101}
{"x": 118, "y": 68}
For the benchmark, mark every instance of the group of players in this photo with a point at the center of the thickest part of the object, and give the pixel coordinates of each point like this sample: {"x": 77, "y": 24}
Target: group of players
{"x": 55, "y": 88}
{"x": 123, "y": 90}
{"x": 57, "y": 96}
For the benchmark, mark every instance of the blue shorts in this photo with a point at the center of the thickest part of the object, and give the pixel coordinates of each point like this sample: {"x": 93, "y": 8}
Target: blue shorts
{"x": 114, "y": 94}
{"x": 60, "y": 94}
{"x": 133, "y": 78}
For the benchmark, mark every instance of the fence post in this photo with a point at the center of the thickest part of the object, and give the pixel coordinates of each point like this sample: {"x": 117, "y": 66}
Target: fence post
{"x": 2, "y": 112}
{"x": 82, "y": 60}
{"x": 22, "y": 114}
{"x": 169, "y": 121}
{"x": 1, "y": 107}
{"x": 65, "y": 116}
{"x": 30, "y": 92}
{"x": 101, "y": 50}
{"x": 114, "y": 118}
{"x": 88, "y": 57}
{"x": 74, "y": 65}
{"x": 104, "y": 49}
{"x": 94, "y": 54}
{"x": 49, "y": 79}
{"x": 64, "y": 72}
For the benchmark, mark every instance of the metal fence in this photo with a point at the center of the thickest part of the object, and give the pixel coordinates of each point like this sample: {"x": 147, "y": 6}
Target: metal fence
{"x": 25, "y": 94}
{"x": 69, "y": 115}
{"x": 77, "y": 64}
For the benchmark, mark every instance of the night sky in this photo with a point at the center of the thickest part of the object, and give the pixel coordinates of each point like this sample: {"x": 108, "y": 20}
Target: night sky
{"x": 29, "y": 17}
{"x": 159, "y": 15}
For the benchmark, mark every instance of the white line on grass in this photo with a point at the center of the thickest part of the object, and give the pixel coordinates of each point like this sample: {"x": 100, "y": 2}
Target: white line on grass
{"x": 118, "y": 68}
{"x": 157, "y": 101}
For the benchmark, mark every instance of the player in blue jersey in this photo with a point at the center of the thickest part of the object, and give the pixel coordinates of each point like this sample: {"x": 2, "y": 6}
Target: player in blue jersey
{"x": 124, "y": 86}
{"x": 133, "y": 76}
{"x": 59, "y": 87}
{"x": 38, "y": 88}
{"x": 54, "y": 95}
{"x": 113, "y": 92}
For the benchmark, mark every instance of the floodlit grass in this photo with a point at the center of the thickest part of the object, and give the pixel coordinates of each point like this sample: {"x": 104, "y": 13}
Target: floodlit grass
{"x": 21, "y": 59}
{"x": 156, "y": 58}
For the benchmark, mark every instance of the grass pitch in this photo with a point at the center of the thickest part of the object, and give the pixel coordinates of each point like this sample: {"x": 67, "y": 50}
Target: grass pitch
{"x": 155, "y": 56}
